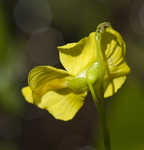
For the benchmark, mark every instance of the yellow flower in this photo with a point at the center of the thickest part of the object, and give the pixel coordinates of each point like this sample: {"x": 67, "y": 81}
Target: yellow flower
{"x": 62, "y": 92}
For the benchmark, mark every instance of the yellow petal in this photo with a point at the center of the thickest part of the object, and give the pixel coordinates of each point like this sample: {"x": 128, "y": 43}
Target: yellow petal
{"x": 114, "y": 49}
{"x": 114, "y": 85}
{"x": 75, "y": 57}
{"x": 114, "y": 52}
{"x": 44, "y": 78}
{"x": 27, "y": 93}
{"x": 62, "y": 104}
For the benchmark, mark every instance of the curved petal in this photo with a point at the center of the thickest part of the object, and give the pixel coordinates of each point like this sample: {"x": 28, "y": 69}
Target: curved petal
{"x": 62, "y": 104}
{"x": 114, "y": 85}
{"x": 27, "y": 93}
{"x": 113, "y": 50}
{"x": 75, "y": 57}
{"x": 48, "y": 90}
{"x": 44, "y": 78}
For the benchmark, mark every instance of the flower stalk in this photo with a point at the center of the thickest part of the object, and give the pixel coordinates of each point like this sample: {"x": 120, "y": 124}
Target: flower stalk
{"x": 98, "y": 98}
{"x": 104, "y": 128}
{"x": 100, "y": 105}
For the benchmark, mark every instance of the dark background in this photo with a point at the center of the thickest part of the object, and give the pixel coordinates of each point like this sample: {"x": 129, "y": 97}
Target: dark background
{"x": 30, "y": 31}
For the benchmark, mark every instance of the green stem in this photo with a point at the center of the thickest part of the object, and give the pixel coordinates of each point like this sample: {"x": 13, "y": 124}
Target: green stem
{"x": 100, "y": 105}
{"x": 104, "y": 128}
{"x": 93, "y": 94}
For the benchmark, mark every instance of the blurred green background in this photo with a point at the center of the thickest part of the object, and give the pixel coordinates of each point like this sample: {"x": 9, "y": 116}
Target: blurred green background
{"x": 30, "y": 30}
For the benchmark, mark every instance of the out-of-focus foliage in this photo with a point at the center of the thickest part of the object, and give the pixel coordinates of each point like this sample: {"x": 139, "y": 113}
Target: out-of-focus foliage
{"x": 125, "y": 117}
{"x": 10, "y": 65}
{"x": 8, "y": 146}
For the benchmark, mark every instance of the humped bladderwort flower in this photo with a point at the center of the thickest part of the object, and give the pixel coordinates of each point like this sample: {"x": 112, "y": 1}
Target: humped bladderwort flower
{"x": 98, "y": 57}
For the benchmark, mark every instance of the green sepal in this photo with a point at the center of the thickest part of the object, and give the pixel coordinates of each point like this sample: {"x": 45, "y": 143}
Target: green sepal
{"x": 78, "y": 84}
{"x": 92, "y": 74}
